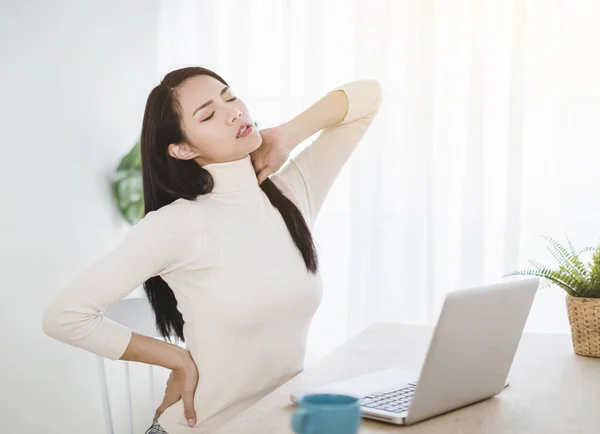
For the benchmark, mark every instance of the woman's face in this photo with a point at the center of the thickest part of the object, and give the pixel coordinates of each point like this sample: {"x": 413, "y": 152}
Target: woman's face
{"x": 212, "y": 118}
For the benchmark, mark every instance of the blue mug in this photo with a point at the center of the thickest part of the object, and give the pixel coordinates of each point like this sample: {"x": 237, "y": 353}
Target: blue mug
{"x": 324, "y": 413}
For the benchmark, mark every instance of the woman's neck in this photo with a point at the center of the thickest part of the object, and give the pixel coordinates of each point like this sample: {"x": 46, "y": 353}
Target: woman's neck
{"x": 232, "y": 176}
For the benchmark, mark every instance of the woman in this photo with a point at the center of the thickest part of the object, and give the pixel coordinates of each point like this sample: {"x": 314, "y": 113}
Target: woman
{"x": 224, "y": 250}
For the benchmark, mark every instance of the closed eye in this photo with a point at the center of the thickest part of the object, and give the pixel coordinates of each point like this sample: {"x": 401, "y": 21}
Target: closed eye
{"x": 213, "y": 113}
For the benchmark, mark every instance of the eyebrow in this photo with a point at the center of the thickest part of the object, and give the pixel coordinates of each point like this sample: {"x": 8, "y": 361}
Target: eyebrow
{"x": 210, "y": 101}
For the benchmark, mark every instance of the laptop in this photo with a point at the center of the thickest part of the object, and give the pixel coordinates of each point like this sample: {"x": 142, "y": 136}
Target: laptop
{"x": 468, "y": 360}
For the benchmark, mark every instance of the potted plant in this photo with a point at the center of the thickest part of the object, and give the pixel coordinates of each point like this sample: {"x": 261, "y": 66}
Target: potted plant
{"x": 581, "y": 281}
{"x": 127, "y": 186}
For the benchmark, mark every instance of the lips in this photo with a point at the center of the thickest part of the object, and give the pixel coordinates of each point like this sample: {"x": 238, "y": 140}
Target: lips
{"x": 243, "y": 129}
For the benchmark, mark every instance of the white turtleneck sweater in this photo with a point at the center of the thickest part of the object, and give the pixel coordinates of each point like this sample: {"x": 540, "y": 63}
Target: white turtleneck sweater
{"x": 240, "y": 282}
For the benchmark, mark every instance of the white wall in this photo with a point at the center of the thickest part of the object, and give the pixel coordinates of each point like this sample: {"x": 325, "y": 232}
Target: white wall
{"x": 74, "y": 78}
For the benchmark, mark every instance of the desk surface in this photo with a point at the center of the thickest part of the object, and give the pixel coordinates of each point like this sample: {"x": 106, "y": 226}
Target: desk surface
{"x": 552, "y": 389}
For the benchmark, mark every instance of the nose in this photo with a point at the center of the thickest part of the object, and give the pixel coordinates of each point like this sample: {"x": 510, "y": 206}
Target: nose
{"x": 233, "y": 116}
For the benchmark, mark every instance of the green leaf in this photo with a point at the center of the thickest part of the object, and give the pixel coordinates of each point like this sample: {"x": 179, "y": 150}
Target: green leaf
{"x": 580, "y": 265}
{"x": 570, "y": 265}
{"x": 132, "y": 160}
{"x": 595, "y": 271}
{"x": 573, "y": 251}
{"x": 127, "y": 186}
{"x": 537, "y": 265}
{"x": 551, "y": 275}
{"x": 572, "y": 275}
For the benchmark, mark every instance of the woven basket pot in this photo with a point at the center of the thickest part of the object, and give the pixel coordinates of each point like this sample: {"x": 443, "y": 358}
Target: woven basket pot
{"x": 584, "y": 317}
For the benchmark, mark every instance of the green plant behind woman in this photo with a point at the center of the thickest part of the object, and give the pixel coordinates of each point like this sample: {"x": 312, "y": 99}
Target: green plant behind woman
{"x": 127, "y": 186}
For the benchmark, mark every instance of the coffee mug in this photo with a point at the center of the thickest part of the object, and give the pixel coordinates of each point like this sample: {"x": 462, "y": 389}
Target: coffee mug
{"x": 324, "y": 413}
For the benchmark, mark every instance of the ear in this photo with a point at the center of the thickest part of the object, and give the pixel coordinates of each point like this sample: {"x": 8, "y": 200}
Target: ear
{"x": 182, "y": 151}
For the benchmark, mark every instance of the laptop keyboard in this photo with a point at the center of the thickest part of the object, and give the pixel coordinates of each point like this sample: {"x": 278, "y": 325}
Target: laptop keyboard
{"x": 395, "y": 401}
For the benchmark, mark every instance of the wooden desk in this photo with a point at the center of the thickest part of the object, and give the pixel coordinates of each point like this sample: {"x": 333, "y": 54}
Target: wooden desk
{"x": 552, "y": 389}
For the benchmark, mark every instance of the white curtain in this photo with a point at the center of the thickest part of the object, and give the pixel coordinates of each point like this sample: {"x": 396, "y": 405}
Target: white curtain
{"x": 488, "y": 137}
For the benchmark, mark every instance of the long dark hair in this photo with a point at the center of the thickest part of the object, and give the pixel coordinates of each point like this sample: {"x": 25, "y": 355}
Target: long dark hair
{"x": 166, "y": 179}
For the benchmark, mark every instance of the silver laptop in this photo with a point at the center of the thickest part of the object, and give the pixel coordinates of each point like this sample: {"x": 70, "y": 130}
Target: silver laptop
{"x": 469, "y": 358}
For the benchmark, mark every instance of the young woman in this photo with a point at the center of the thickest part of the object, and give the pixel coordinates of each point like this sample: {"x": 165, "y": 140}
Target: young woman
{"x": 224, "y": 251}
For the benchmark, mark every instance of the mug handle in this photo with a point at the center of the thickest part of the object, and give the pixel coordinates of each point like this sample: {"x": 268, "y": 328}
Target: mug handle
{"x": 300, "y": 421}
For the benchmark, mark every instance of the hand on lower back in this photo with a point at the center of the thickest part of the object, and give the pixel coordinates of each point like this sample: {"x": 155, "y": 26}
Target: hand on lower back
{"x": 181, "y": 384}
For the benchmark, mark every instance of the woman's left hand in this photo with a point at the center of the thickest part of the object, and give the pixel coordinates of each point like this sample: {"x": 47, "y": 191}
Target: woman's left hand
{"x": 272, "y": 153}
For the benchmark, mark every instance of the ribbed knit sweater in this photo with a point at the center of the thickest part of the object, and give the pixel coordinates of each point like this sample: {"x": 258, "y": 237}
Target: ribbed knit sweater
{"x": 240, "y": 282}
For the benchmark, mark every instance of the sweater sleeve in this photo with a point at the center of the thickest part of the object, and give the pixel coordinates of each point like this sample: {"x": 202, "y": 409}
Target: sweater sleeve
{"x": 308, "y": 177}
{"x": 157, "y": 244}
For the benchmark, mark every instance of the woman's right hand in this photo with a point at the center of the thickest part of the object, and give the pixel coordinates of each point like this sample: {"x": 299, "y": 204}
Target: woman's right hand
{"x": 181, "y": 384}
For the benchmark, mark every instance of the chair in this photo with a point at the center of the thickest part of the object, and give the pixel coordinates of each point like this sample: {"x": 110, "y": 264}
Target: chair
{"x": 137, "y": 314}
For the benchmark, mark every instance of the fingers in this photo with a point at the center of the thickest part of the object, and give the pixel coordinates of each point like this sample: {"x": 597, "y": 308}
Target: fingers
{"x": 264, "y": 174}
{"x": 188, "y": 408}
{"x": 167, "y": 401}
{"x": 257, "y": 165}
{"x": 158, "y": 412}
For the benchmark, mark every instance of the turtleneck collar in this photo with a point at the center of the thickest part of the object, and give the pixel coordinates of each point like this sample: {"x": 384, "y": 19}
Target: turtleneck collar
{"x": 232, "y": 176}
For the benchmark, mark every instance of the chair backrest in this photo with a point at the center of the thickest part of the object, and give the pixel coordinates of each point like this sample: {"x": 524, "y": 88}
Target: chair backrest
{"x": 136, "y": 314}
